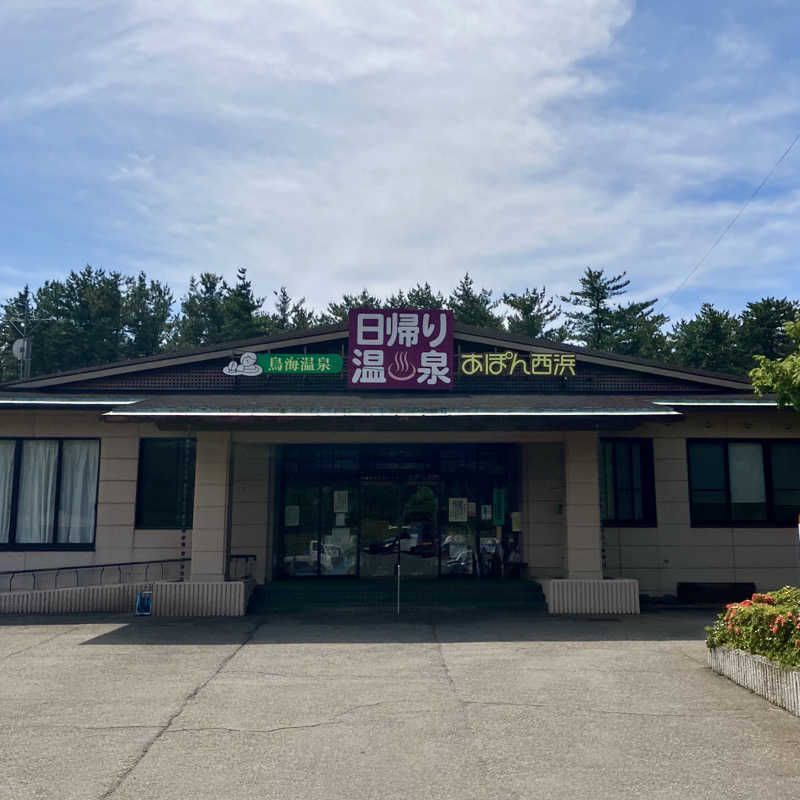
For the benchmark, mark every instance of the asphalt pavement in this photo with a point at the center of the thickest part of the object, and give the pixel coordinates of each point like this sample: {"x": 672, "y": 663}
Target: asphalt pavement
{"x": 362, "y": 705}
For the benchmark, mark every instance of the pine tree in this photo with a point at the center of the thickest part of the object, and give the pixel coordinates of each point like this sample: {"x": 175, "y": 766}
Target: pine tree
{"x": 16, "y": 322}
{"x": 708, "y": 341}
{"x": 532, "y": 313}
{"x": 472, "y": 307}
{"x": 763, "y": 332}
{"x": 290, "y": 314}
{"x": 240, "y": 307}
{"x": 638, "y": 331}
{"x": 595, "y": 327}
{"x": 634, "y": 329}
{"x": 82, "y": 317}
{"x": 202, "y": 312}
{"x": 146, "y": 309}
{"x": 420, "y": 296}
{"x": 338, "y": 312}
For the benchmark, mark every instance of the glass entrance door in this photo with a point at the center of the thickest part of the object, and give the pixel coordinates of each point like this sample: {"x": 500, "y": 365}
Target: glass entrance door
{"x": 419, "y": 529}
{"x": 360, "y": 510}
{"x": 399, "y": 524}
{"x": 380, "y": 502}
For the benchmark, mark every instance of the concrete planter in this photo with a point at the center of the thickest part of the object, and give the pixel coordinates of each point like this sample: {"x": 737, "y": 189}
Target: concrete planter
{"x": 170, "y": 599}
{"x": 583, "y": 596}
{"x": 764, "y": 677}
{"x": 202, "y": 598}
{"x": 117, "y": 598}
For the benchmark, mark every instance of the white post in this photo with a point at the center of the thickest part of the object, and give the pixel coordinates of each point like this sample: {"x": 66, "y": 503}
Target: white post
{"x": 210, "y": 540}
{"x": 582, "y": 508}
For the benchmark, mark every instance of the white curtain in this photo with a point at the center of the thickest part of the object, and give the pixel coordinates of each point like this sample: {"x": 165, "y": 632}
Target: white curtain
{"x": 79, "y": 462}
{"x": 747, "y": 472}
{"x": 37, "y": 491}
{"x": 6, "y": 485}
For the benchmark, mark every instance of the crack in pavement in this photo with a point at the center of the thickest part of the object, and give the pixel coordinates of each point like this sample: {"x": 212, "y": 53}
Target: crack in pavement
{"x": 334, "y": 720}
{"x": 162, "y": 729}
{"x": 579, "y": 710}
{"x": 41, "y": 641}
{"x": 309, "y": 676}
{"x": 462, "y": 704}
{"x": 156, "y": 727}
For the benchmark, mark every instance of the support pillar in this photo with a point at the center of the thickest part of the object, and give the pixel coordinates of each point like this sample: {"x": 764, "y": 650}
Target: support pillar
{"x": 211, "y": 524}
{"x": 582, "y": 507}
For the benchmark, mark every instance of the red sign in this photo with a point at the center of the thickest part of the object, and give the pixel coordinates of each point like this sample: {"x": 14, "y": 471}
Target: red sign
{"x": 401, "y": 350}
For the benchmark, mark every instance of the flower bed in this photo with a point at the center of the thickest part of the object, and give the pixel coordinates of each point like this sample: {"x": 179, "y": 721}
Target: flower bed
{"x": 756, "y": 643}
{"x": 766, "y": 625}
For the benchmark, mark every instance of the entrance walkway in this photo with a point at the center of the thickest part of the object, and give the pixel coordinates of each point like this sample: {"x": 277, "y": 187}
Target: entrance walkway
{"x": 346, "y": 705}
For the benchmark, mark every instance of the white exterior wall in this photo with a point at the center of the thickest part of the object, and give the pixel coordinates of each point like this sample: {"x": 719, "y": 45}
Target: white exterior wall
{"x": 211, "y": 516}
{"x": 674, "y": 551}
{"x": 253, "y": 504}
{"x": 116, "y": 538}
{"x": 658, "y": 557}
{"x": 542, "y": 487}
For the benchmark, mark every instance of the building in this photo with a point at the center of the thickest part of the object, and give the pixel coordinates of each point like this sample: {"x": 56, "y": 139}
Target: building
{"x": 403, "y": 437}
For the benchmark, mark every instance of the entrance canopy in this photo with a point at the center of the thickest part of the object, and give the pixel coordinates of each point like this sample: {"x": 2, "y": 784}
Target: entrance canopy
{"x": 386, "y": 412}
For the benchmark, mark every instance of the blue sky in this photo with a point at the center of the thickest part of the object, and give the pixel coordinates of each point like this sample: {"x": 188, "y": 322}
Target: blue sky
{"x": 331, "y": 145}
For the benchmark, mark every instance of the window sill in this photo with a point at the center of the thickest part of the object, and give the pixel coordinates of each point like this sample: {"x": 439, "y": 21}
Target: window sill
{"x": 759, "y": 524}
{"x": 615, "y": 523}
{"x": 161, "y": 528}
{"x": 31, "y": 547}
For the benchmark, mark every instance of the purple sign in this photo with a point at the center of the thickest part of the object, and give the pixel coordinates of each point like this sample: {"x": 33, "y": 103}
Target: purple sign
{"x": 397, "y": 349}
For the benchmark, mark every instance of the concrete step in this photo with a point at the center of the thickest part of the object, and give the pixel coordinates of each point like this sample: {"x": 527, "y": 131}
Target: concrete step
{"x": 298, "y": 595}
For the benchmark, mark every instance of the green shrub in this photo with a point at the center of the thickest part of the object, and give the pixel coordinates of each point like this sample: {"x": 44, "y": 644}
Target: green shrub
{"x": 766, "y": 624}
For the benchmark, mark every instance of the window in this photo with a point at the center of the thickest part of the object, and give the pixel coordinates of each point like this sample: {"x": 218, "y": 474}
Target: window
{"x": 785, "y": 490}
{"x": 165, "y": 490}
{"x": 627, "y": 493}
{"x": 48, "y": 493}
{"x": 744, "y": 482}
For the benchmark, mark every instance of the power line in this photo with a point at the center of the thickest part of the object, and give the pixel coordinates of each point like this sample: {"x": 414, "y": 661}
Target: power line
{"x": 736, "y": 217}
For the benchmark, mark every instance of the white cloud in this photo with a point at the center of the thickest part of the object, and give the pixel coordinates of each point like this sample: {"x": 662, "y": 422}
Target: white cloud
{"x": 332, "y": 145}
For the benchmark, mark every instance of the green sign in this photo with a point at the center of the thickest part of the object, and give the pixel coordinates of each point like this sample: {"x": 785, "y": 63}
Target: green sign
{"x": 499, "y": 507}
{"x": 300, "y": 363}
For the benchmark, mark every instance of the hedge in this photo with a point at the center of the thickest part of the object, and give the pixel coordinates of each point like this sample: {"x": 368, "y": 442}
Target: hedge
{"x": 766, "y": 624}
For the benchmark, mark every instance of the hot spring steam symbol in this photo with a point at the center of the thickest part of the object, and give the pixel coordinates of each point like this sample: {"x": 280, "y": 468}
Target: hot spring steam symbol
{"x": 400, "y": 369}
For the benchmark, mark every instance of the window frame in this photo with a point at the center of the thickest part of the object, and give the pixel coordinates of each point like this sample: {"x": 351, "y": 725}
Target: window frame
{"x": 648, "y": 483}
{"x": 766, "y": 460}
{"x": 137, "y": 520}
{"x": 12, "y": 544}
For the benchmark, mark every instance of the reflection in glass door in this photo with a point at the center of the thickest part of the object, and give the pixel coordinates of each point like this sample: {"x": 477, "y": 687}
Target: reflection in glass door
{"x": 301, "y": 531}
{"x": 399, "y": 525}
{"x": 434, "y": 510}
{"x": 419, "y": 531}
{"x": 379, "y": 529}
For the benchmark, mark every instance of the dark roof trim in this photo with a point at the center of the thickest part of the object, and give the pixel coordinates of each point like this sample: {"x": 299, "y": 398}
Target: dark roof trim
{"x": 390, "y": 405}
{"x": 470, "y": 412}
{"x": 209, "y": 353}
{"x": 22, "y": 400}
{"x": 339, "y": 331}
{"x": 487, "y": 336}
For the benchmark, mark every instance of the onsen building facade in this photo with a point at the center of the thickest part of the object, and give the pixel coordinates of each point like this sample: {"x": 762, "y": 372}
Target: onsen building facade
{"x": 399, "y": 441}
